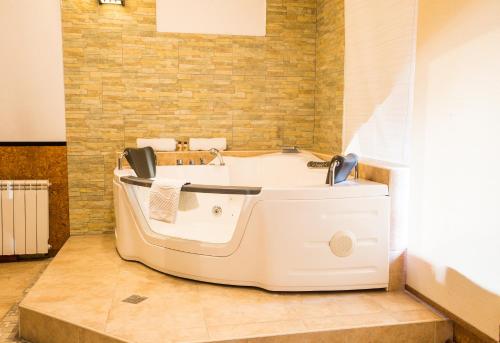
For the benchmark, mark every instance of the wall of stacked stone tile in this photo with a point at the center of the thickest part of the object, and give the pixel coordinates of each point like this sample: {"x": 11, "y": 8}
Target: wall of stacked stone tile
{"x": 329, "y": 76}
{"x": 124, "y": 80}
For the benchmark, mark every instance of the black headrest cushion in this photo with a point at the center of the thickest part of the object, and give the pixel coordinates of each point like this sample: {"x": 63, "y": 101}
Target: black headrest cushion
{"x": 142, "y": 161}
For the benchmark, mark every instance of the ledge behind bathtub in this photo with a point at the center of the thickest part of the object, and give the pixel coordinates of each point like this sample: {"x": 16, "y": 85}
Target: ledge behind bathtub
{"x": 166, "y": 158}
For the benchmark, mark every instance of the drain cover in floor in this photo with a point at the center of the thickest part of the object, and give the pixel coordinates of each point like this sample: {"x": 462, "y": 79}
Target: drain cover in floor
{"x": 134, "y": 299}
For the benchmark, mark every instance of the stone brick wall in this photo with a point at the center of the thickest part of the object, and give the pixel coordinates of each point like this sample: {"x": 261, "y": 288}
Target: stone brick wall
{"x": 124, "y": 80}
{"x": 329, "y": 76}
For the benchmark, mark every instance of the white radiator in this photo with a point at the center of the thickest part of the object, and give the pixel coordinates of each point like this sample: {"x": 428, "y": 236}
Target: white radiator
{"x": 24, "y": 217}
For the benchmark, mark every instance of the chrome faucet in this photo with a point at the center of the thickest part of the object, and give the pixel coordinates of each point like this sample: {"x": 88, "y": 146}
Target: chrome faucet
{"x": 330, "y": 176}
{"x": 216, "y": 152}
{"x": 120, "y": 160}
{"x": 342, "y": 167}
{"x": 290, "y": 150}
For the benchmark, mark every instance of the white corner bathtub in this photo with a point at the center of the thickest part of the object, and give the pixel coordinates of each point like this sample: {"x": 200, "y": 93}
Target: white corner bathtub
{"x": 283, "y": 230}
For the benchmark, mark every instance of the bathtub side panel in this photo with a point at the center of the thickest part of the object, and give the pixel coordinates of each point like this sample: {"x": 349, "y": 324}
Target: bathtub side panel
{"x": 294, "y": 243}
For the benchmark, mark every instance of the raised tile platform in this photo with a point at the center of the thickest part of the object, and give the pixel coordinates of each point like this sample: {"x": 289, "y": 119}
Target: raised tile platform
{"x": 80, "y": 298}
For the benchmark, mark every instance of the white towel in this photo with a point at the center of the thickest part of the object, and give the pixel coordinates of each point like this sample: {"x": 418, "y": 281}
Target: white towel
{"x": 158, "y": 144}
{"x": 206, "y": 144}
{"x": 164, "y": 199}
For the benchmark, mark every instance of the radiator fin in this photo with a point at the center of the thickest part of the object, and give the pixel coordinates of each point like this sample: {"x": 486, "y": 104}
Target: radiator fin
{"x": 30, "y": 196}
{"x": 19, "y": 220}
{"x": 42, "y": 220}
{"x": 8, "y": 218}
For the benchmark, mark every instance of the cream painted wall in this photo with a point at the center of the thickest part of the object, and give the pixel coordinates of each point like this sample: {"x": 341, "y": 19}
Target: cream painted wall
{"x": 31, "y": 71}
{"x": 379, "y": 63}
{"x": 230, "y": 17}
{"x": 454, "y": 240}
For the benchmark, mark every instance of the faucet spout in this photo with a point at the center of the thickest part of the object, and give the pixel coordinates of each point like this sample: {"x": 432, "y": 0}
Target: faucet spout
{"x": 216, "y": 152}
{"x": 332, "y": 170}
{"x": 341, "y": 167}
{"x": 120, "y": 160}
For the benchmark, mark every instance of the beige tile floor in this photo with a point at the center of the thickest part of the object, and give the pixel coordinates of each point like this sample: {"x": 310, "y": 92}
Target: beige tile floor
{"x": 81, "y": 293}
{"x": 15, "y": 279}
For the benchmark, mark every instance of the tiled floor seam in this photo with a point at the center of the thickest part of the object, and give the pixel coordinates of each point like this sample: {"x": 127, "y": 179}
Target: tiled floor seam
{"x": 428, "y": 306}
{"x": 206, "y": 326}
{"x": 340, "y": 331}
{"x": 324, "y": 331}
{"x": 112, "y": 300}
{"x": 77, "y": 326}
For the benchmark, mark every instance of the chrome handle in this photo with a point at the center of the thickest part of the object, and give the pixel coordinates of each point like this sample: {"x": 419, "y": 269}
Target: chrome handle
{"x": 120, "y": 160}
{"x": 317, "y": 165}
{"x": 290, "y": 150}
{"x": 330, "y": 177}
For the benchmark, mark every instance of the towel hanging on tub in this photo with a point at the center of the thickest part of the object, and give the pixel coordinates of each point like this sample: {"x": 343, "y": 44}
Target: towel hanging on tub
{"x": 164, "y": 199}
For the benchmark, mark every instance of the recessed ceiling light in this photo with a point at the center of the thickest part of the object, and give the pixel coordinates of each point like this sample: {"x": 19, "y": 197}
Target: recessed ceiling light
{"x": 113, "y": 2}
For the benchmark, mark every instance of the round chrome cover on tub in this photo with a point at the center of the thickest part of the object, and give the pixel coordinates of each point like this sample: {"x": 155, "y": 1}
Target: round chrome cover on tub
{"x": 343, "y": 243}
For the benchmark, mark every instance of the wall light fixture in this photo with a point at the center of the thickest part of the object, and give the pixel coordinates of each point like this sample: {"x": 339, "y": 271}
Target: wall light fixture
{"x": 113, "y": 2}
